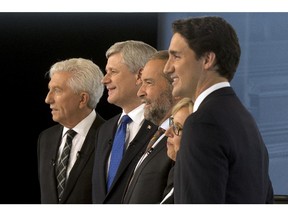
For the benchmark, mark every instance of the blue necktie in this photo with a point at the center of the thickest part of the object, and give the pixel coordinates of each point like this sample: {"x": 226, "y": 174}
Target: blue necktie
{"x": 117, "y": 149}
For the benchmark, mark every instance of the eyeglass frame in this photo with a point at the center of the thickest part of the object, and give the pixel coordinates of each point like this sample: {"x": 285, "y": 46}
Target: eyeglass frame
{"x": 175, "y": 128}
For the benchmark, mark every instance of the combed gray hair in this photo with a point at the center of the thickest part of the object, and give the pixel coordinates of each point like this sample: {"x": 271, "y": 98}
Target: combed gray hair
{"x": 135, "y": 53}
{"x": 86, "y": 76}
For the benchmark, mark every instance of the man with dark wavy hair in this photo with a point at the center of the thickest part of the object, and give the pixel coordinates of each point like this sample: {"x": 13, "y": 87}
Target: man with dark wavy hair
{"x": 222, "y": 158}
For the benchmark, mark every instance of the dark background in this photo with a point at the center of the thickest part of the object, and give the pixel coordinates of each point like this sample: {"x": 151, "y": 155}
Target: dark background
{"x": 29, "y": 44}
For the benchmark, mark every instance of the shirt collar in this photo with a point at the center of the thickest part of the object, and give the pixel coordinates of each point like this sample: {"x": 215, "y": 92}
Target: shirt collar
{"x": 208, "y": 91}
{"x": 136, "y": 115}
{"x": 165, "y": 124}
{"x": 83, "y": 126}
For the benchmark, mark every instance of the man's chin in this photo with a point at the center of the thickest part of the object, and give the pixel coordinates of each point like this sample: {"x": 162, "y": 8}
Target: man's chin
{"x": 110, "y": 100}
{"x": 175, "y": 92}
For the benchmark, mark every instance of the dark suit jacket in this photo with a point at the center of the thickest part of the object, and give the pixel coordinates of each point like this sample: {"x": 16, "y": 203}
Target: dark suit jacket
{"x": 169, "y": 200}
{"x": 150, "y": 179}
{"x": 170, "y": 185}
{"x": 78, "y": 187}
{"x": 133, "y": 153}
{"x": 222, "y": 158}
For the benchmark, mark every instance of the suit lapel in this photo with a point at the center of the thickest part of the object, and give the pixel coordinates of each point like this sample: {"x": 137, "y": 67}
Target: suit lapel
{"x": 134, "y": 176}
{"x": 136, "y": 147}
{"x": 85, "y": 154}
{"x": 56, "y": 137}
{"x": 159, "y": 146}
{"x": 107, "y": 148}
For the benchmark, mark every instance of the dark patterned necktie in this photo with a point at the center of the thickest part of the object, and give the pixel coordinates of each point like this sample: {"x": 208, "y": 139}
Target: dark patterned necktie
{"x": 117, "y": 149}
{"x": 158, "y": 133}
{"x": 61, "y": 168}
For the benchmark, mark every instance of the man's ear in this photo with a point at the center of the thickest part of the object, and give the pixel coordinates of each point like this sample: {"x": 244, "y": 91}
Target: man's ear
{"x": 138, "y": 76}
{"x": 84, "y": 98}
{"x": 209, "y": 60}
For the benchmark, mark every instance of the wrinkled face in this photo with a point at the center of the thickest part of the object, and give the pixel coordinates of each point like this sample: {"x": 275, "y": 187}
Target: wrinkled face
{"x": 173, "y": 140}
{"x": 120, "y": 81}
{"x": 183, "y": 67}
{"x": 64, "y": 103}
{"x": 155, "y": 91}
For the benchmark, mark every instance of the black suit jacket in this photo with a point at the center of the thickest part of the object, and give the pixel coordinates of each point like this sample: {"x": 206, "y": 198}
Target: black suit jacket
{"x": 78, "y": 186}
{"x": 170, "y": 185}
{"x": 150, "y": 179}
{"x": 133, "y": 153}
{"x": 222, "y": 158}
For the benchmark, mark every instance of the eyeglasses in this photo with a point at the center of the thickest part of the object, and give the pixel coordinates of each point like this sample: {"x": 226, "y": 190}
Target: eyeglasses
{"x": 175, "y": 127}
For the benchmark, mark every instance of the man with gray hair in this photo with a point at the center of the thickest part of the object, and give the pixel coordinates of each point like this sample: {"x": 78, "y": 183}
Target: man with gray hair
{"x": 112, "y": 167}
{"x": 66, "y": 150}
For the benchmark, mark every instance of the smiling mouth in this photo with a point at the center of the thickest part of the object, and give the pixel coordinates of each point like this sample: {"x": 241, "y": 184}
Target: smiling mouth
{"x": 174, "y": 80}
{"x": 110, "y": 90}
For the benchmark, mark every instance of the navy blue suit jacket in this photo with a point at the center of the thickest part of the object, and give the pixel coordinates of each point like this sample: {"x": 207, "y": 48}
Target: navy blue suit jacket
{"x": 222, "y": 158}
{"x": 104, "y": 143}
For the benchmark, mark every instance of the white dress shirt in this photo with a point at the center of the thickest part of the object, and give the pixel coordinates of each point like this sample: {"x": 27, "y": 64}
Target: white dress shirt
{"x": 82, "y": 129}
